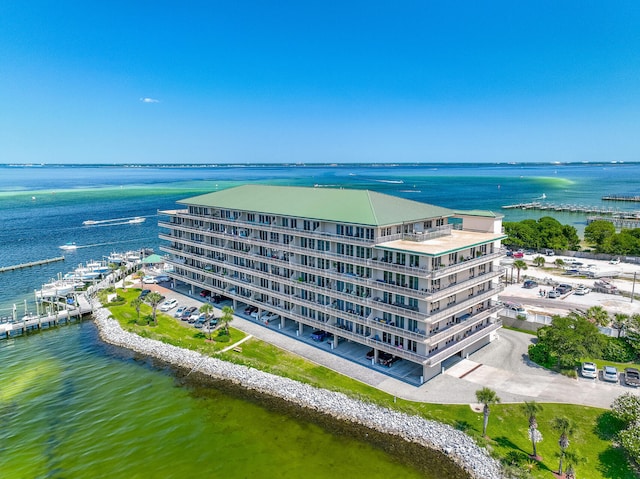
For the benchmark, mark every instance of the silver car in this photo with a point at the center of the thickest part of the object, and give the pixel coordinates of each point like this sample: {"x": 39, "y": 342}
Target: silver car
{"x": 609, "y": 373}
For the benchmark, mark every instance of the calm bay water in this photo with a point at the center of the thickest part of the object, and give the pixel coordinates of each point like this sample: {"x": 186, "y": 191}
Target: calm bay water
{"x": 72, "y": 407}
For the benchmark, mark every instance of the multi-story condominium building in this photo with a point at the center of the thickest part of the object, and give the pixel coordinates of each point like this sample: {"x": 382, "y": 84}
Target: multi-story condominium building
{"x": 406, "y": 280}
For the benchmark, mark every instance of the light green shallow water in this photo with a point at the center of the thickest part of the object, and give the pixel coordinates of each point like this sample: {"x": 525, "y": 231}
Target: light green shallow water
{"x": 71, "y": 407}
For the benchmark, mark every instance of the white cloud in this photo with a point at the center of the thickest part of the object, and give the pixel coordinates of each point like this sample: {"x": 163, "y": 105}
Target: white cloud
{"x": 149, "y": 100}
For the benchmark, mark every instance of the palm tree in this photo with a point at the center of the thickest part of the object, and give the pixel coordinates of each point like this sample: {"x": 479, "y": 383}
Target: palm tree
{"x": 565, "y": 428}
{"x": 539, "y": 261}
{"x": 559, "y": 263}
{"x": 620, "y": 322}
{"x": 487, "y": 397}
{"x": 207, "y": 308}
{"x": 520, "y": 265}
{"x": 531, "y": 409}
{"x": 597, "y": 315}
{"x": 154, "y": 299}
{"x": 572, "y": 459}
{"x": 227, "y": 317}
{"x": 136, "y": 303}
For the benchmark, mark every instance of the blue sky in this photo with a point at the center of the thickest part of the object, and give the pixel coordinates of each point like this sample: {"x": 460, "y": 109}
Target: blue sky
{"x": 325, "y": 81}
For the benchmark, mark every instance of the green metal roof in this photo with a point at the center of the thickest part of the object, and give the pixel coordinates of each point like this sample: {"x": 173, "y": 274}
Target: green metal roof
{"x": 362, "y": 207}
{"x": 484, "y": 213}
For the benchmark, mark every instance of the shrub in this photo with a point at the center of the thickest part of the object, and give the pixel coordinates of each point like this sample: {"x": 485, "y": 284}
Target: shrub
{"x": 223, "y": 336}
{"x": 626, "y": 407}
{"x": 617, "y": 350}
{"x": 540, "y": 354}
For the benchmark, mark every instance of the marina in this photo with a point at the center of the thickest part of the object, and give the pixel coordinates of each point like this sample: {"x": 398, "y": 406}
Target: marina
{"x": 67, "y": 298}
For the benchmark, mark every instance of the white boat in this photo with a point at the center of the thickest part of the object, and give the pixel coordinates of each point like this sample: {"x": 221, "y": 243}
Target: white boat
{"x": 86, "y": 274}
{"x": 89, "y": 222}
{"x": 137, "y": 220}
{"x": 98, "y": 267}
{"x": 115, "y": 258}
{"x": 68, "y": 246}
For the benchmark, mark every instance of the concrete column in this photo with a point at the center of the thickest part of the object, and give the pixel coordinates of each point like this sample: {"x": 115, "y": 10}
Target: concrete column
{"x": 335, "y": 342}
{"x": 300, "y": 328}
{"x": 429, "y": 372}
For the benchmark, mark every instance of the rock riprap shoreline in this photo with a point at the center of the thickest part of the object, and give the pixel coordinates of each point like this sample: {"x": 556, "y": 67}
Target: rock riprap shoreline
{"x": 441, "y": 437}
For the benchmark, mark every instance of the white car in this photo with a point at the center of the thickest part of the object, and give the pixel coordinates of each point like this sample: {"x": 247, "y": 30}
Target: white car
{"x": 615, "y": 261}
{"x": 169, "y": 304}
{"x": 582, "y": 290}
{"x": 149, "y": 280}
{"x": 589, "y": 370}
{"x": 267, "y": 318}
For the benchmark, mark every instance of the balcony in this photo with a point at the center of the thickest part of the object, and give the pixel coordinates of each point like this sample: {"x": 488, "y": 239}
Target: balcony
{"x": 463, "y": 323}
{"x": 455, "y": 308}
{"x": 458, "y": 346}
{"x": 464, "y": 265}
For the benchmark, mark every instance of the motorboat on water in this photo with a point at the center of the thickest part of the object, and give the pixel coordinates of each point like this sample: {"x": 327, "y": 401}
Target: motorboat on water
{"x": 68, "y": 246}
{"x": 98, "y": 266}
{"x": 137, "y": 220}
{"x": 89, "y": 222}
{"x": 60, "y": 287}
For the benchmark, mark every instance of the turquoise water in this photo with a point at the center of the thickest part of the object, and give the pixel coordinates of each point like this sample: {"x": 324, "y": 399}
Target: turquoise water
{"x": 44, "y": 207}
{"x": 72, "y": 407}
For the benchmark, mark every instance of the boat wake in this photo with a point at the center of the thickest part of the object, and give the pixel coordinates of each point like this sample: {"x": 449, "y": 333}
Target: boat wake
{"x": 131, "y": 220}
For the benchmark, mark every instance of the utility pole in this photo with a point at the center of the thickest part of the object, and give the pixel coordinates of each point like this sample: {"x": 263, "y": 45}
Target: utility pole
{"x": 633, "y": 287}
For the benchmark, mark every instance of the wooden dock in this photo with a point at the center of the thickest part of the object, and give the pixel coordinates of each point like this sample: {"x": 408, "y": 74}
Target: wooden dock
{"x": 31, "y": 322}
{"x": 620, "y": 222}
{"x": 567, "y": 208}
{"x": 635, "y": 199}
{"x": 32, "y": 263}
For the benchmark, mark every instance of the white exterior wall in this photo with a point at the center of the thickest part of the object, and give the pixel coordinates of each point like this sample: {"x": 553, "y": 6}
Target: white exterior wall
{"x": 198, "y": 242}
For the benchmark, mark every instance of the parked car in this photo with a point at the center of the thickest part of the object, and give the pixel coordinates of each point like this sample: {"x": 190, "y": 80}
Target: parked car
{"x": 195, "y": 316}
{"x": 168, "y": 304}
{"x": 515, "y": 307}
{"x": 179, "y": 311}
{"x": 582, "y": 290}
{"x": 267, "y": 318}
{"x": 632, "y": 377}
{"x": 554, "y": 293}
{"x": 529, "y": 284}
{"x": 162, "y": 279}
{"x": 149, "y": 280}
{"x": 187, "y": 313}
{"x": 319, "y": 335}
{"x": 615, "y": 261}
{"x": 205, "y": 293}
{"x": 387, "y": 359}
{"x": 564, "y": 288}
{"x": 256, "y": 314}
{"x": 549, "y": 252}
{"x": 250, "y": 309}
{"x": 589, "y": 370}
{"x": 144, "y": 293}
{"x": 200, "y": 322}
{"x": 518, "y": 254}
{"x": 609, "y": 373}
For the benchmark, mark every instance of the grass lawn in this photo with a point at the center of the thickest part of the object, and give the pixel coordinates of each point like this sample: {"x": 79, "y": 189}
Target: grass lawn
{"x": 508, "y": 426}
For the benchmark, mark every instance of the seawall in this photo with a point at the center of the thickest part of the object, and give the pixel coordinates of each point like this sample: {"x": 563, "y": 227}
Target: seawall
{"x": 441, "y": 437}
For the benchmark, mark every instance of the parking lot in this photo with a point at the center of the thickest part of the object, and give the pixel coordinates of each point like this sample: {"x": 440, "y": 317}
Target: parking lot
{"x": 501, "y": 366}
